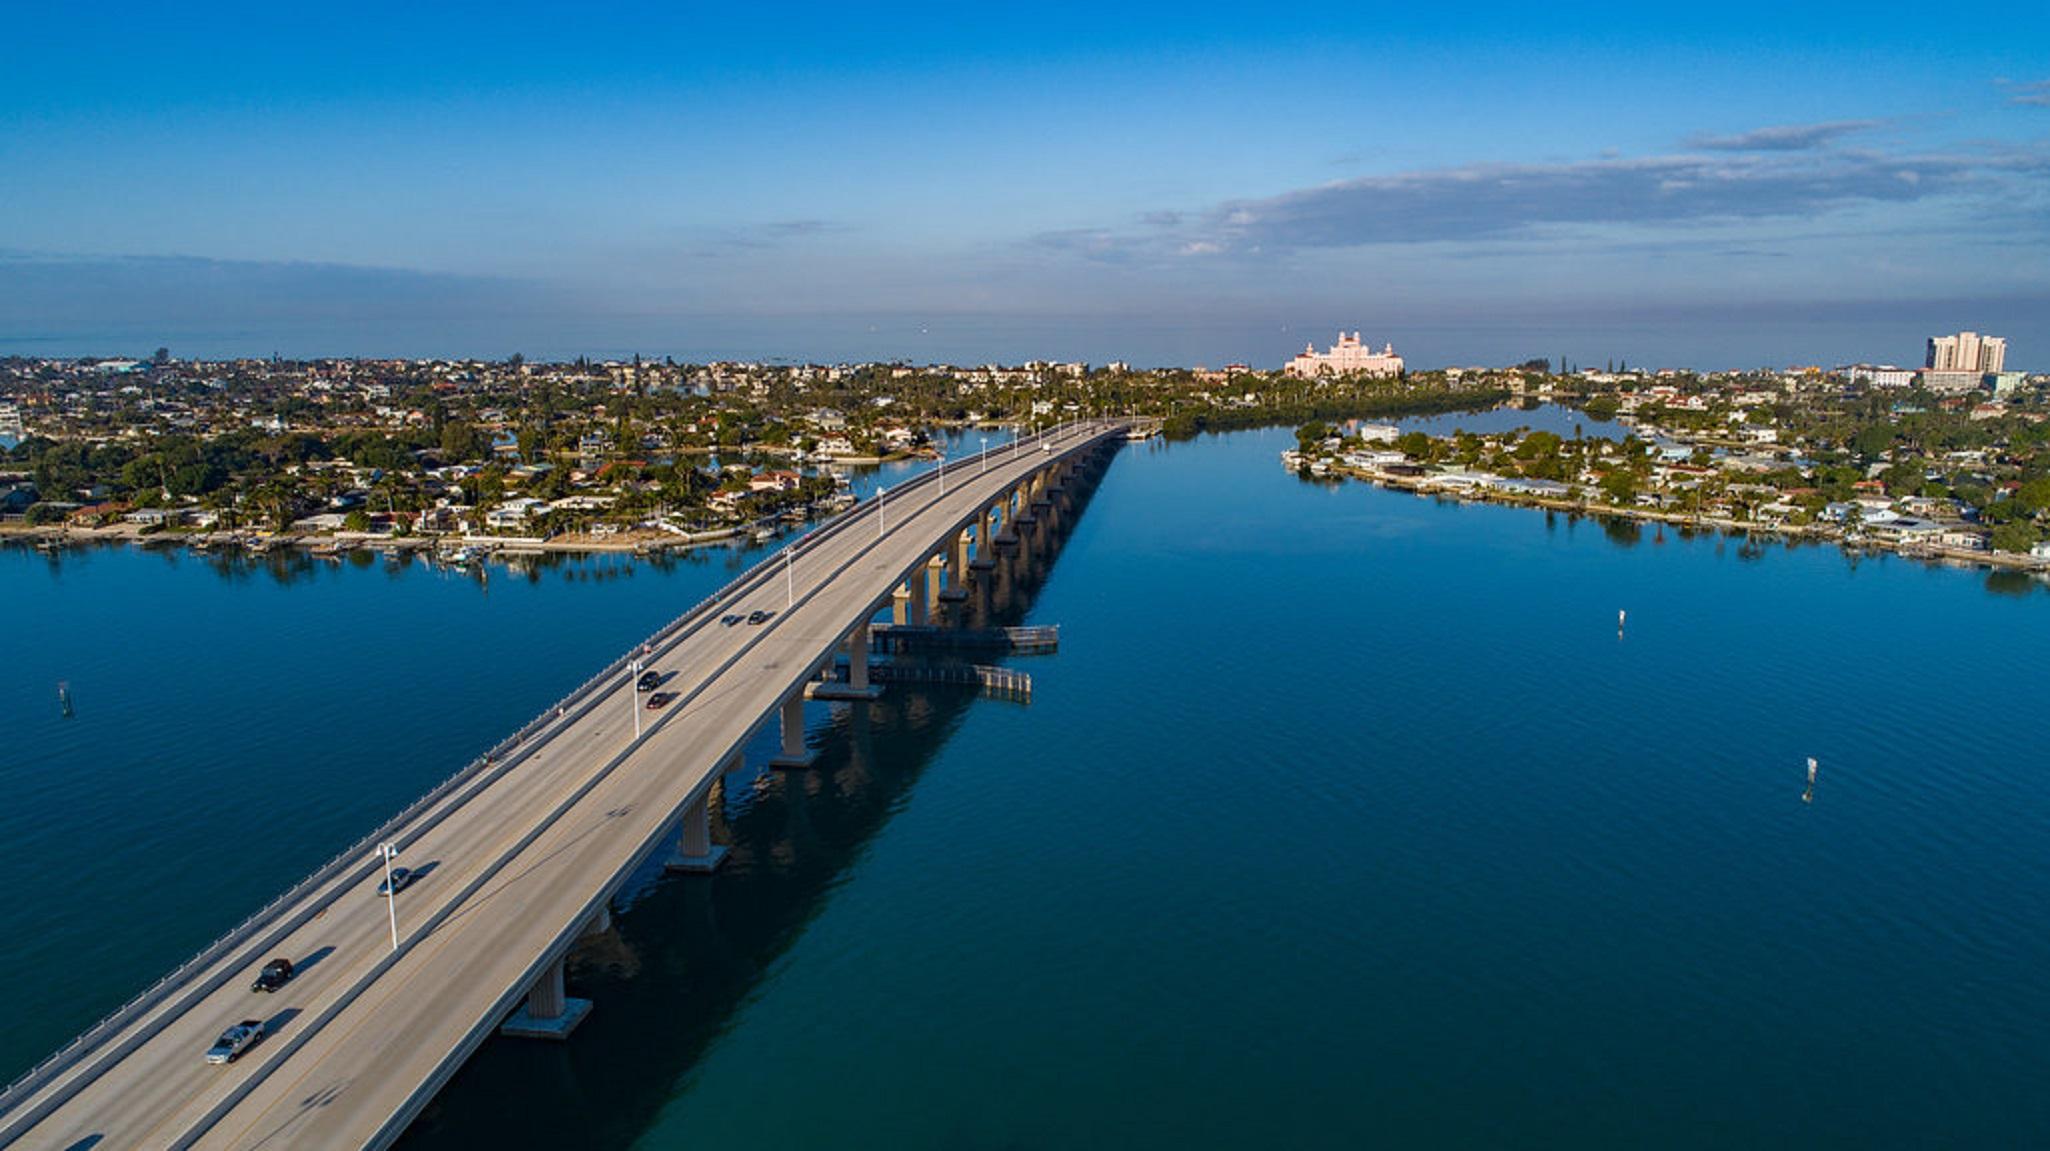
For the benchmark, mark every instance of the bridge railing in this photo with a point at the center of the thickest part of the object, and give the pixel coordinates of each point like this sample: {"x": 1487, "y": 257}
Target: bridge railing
{"x": 32, "y": 1079}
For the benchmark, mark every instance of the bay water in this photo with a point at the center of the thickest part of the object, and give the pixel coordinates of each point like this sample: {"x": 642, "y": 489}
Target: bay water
{"x": 1341, "y": 817}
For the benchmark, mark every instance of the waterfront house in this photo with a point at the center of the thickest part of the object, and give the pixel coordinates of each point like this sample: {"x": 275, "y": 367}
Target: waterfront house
{"x": 515, "y": 513}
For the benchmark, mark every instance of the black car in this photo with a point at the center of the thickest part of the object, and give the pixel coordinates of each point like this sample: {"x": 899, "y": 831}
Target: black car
{"x": 649, "y": 681}
{"x": 759, "y": 617}
{"x": 400, "y": 877}
{"x": 275, "y": 974}
{"x": 729, "y": 620}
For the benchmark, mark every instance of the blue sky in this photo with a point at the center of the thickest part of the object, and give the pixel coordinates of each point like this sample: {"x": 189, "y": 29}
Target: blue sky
{"x": 1730, "y": 185}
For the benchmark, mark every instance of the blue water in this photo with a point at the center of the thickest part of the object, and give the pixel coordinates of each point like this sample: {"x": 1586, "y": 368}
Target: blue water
{"x": 1342, "y": 817}
{"x": 1555, "y": 418}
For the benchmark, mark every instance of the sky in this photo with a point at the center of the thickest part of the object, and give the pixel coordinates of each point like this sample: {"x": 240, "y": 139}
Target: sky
{"x": 1731, "y": 185}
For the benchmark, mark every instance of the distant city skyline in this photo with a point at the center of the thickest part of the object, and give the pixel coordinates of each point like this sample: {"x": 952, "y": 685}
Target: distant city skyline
{"x": 1736, "y": 188}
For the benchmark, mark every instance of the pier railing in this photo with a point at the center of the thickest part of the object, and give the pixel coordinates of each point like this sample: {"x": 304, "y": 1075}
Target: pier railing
{"x": 1000, "y": 682}
{"x": 501, "y": 755}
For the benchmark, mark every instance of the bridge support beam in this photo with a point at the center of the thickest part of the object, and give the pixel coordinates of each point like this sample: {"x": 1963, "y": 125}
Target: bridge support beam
{"x": 857, "y": 686}
{"x": 900, "y": 605}
{"x": 696, "y": 854}
{"x": 985, "y": 541}
{"x": 549, "y": 1013}
{"x": 957, "y": 570}
{"x": 794, "y": 753}
{"x": 929, "y": 605}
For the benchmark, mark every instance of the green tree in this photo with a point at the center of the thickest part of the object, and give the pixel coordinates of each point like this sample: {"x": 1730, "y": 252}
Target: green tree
{"x": 2015, "y": 536}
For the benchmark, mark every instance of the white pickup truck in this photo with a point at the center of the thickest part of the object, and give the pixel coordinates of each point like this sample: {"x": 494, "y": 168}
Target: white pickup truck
{"x": 234, "y": 1041}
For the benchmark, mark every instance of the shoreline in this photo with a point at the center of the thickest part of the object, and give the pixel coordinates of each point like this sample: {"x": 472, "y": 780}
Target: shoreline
{"x": 329, "y": 546}
{"x": 1951, "y": 557}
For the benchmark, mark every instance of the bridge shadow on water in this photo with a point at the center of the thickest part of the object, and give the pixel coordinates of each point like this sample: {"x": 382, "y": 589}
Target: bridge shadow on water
{"x": 686, "y": 952}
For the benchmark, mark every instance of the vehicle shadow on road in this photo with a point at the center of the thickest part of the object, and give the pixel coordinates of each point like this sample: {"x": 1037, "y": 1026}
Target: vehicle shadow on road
{"x": 307, "y": 964}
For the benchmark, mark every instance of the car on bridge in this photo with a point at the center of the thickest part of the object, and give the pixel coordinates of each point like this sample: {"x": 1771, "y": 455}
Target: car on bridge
{"x": 234, "y": 1041}
{"x": 400, "y": 877}
{"x": 759, "y": 617}
{"x": 729, "y": 620}
{"x": 649, "y": 681}
{"x": 274, "y": 975}
{"x": 660, "y": 699}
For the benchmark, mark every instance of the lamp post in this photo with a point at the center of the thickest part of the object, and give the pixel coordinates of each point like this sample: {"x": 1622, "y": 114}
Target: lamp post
{"x": 390, "y": 851}
{"x": 943, "y": 474}
{"x": 789, "y": 581}
{"x": 880, "y": 492}
{"x": 982, "y": 457}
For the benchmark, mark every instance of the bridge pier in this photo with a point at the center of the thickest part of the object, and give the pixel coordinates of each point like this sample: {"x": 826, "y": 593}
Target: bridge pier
{"x": 794, "y": 754}
{"x": 935, "y": 568}
{"x": 900, "y": 604}
{"x": 696, "y": 853}
{"x": 957, "y": 570}
{"x": 985, "y": 541}
{"x": 549, "y": 1012}
{"x": 857, "y": 686}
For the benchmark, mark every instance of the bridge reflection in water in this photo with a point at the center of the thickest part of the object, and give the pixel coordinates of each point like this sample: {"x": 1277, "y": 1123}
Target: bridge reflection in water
{"x": 684, "y": 952}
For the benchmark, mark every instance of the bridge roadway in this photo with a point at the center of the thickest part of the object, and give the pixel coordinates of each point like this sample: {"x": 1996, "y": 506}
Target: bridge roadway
{"x": 516, "y": 870}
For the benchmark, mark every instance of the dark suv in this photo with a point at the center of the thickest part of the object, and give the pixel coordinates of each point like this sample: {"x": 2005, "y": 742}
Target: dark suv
{"x": 275, "y": 974}
{"x": 649, "y": 681}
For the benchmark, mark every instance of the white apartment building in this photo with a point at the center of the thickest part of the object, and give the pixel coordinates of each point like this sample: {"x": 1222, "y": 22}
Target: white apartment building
{"x": 1967, "y": 352}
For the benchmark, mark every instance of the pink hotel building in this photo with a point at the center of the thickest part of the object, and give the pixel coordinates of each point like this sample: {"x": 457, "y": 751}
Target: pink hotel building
{"x": 1349, "y": 356}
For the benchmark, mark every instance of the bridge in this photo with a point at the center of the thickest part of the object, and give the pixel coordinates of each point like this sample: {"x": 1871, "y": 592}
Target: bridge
{"x": 520, "y": 853}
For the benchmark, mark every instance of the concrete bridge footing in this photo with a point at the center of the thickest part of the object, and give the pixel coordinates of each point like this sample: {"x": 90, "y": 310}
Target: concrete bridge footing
{"x": 549, "y": 1013}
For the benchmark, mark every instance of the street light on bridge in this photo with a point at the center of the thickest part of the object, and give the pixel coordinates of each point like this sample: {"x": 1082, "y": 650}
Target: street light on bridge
{"x": 982, "y": 457}
{"x": 389, "y": 852}
{"x": 880, "y": 492}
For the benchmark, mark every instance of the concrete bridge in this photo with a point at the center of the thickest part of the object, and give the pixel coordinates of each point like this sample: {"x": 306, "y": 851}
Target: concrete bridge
{"x": 522, "y": 851}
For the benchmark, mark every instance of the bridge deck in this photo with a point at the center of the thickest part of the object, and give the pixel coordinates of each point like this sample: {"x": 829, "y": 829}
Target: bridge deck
{"x": 364, "y": 1036}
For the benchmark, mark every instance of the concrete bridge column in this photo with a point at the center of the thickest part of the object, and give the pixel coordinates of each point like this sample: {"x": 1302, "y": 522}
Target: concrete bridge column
{"x": 957, "y": 570}
{"x": 985, "y": 539}
{"x": 857, "y": 658}
{"x": 1008, "y": 534}
{"x": 794, "y": 753}
{"x": 900, "y": 604}
{"x": 549, "y": 1012}
{"x": 857, "y": 686}
{"x": 935, "y": 571}
{"x": 696, "y": 853}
